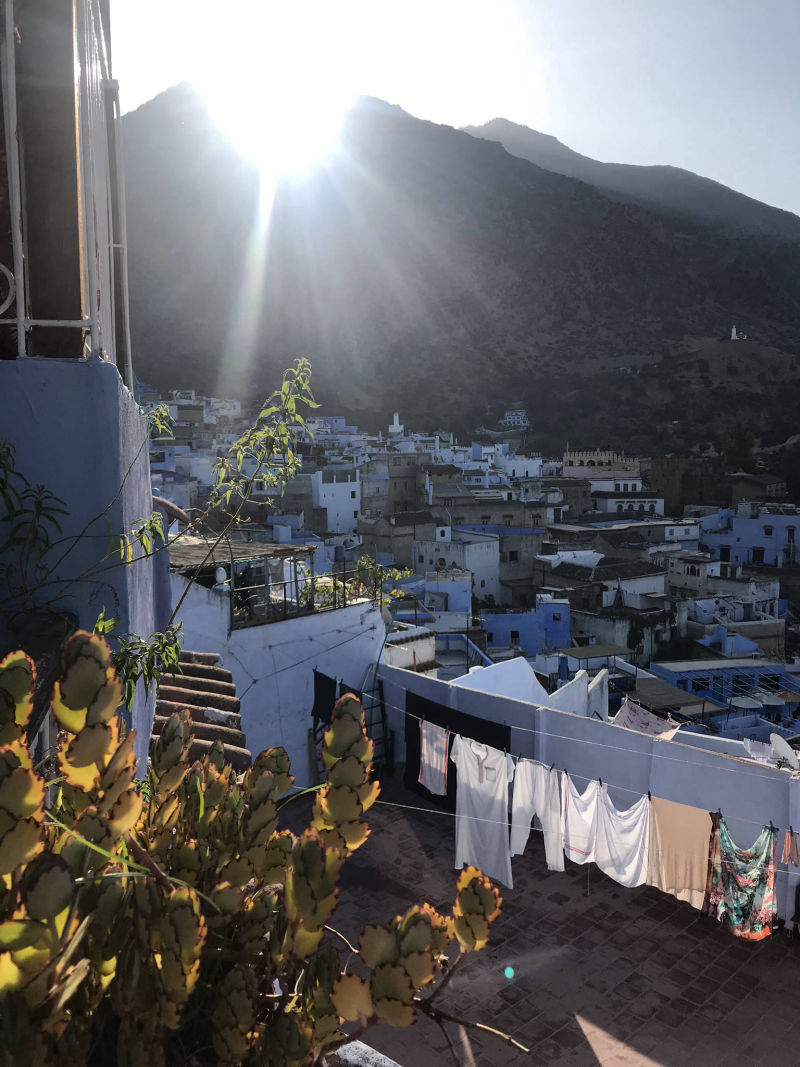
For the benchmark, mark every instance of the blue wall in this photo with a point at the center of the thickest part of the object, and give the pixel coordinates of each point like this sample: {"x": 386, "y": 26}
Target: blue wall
{"x": 538, "y": 630}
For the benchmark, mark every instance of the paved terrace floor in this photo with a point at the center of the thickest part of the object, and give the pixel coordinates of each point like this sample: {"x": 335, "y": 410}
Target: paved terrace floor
{"x": 602, "y": 974}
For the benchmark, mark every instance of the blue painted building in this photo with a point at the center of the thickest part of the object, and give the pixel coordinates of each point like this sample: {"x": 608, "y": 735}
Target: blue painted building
{"x": 753, "y": 533}
{"x": 541, "y": 630}
{"x": 723, "y": 680}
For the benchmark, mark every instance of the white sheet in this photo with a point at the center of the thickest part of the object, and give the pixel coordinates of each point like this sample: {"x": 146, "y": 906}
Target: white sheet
{"x": 623, "y": 840}
{"x": 579, "y": 820}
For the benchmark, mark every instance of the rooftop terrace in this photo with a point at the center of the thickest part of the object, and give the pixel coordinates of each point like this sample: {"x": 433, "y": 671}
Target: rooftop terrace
{"x": 602, "y": 974}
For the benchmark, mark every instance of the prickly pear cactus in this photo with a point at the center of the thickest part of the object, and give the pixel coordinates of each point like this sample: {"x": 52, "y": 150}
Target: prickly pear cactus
{"x": 152, "y": 922}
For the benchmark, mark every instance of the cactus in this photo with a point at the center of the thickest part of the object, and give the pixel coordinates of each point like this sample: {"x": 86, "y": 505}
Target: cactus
{"x": 146, "y": 926}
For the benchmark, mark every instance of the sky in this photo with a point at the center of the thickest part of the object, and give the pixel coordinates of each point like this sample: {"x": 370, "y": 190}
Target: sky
{"x": 709, "y": 85}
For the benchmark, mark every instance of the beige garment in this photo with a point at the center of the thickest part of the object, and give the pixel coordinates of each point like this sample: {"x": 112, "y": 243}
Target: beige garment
{"x": 679, "y": 843}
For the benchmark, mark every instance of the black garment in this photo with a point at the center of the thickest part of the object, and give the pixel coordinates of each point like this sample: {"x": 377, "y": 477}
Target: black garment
{"x": 349, "y": 689}
{"x": 324, "y": 697}
{"x": 457, "y": 722}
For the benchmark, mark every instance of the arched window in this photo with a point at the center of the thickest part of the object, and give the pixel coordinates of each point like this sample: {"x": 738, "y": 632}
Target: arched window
{"x": 619, "y": 508}
{"x": 652, "y": 509}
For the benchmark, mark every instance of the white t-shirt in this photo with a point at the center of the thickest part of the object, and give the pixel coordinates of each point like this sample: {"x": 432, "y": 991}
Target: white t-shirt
{"x": 484, "y": 774}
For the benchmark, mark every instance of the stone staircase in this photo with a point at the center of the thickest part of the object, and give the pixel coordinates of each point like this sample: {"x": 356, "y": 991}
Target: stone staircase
{"x": 207, "y": 690}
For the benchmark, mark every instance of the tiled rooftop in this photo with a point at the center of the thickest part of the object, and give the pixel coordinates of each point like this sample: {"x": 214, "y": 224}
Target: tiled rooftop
{"x": 602, "y": 974}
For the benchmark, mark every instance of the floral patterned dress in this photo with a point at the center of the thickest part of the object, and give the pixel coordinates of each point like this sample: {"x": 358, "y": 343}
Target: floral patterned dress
{"x": 740, "y": 890}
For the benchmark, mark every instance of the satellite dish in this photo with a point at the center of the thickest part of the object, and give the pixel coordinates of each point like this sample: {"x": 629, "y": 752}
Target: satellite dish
{"x": 784, "y": 751}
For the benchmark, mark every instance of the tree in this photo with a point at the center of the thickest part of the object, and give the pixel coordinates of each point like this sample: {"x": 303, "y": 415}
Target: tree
{"x": 735, "y": 442}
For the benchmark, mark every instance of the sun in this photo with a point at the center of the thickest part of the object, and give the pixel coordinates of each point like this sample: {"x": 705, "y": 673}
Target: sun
{"x": 279, "y": 95}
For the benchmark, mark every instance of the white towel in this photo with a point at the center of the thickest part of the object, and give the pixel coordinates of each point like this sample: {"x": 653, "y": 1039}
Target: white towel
{"x": 623, "y": 840}
{"x": 580, "y": 820}
{"x": 433, "y": 741}
{"x": 536, "y": 792}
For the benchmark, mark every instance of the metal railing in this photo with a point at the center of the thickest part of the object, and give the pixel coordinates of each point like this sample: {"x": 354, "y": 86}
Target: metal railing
{"x": 101, "y": 198}
{"x": 254, "y": 603}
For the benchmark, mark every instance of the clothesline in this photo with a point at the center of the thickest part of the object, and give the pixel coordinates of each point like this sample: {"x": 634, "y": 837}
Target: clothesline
{"x": 598, "y": 744}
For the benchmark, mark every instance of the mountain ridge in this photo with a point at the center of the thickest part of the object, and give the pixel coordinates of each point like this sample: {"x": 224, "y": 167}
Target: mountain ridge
{"x": 423, "y": 269}
{"x": 697, "y": 198}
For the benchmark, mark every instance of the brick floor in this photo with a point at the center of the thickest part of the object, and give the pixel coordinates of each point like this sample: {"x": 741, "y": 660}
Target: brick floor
{"x": 602, "y": 974}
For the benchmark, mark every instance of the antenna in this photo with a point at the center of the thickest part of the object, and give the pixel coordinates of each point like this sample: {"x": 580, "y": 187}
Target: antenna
{"x": 785, "y": 753}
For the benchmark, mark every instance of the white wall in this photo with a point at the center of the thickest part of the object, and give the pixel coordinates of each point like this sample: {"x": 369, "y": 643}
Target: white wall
{"x": 342, "y": 499}
{"x": 273, "y": 665}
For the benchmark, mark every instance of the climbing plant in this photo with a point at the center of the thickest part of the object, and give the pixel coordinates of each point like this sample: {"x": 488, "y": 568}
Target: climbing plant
{"x": 178, "y": 923}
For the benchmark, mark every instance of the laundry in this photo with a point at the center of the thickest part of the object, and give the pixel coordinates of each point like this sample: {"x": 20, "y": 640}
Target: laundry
{"x": 433, "y": 743}
{"x": 579, "y": 820}
{"x": 496, "y": 735}
{"x": 482, "y": 838}
{"x": 678, "y": 854}
{"x": 740, "y": 890}
{"x": 758, "y": 750}
{"x": 790, "y": 852}
{"x": 623, "y": 840}
{"x": 637, "y": 718}
{"x": 536, "y": 792}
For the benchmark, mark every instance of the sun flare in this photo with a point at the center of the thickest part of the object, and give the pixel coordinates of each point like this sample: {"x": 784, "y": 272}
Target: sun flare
{"x": 280, "y": 96}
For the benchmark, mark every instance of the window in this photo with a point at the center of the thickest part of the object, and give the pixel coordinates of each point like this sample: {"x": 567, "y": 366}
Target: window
{"x": 616, "y": 487}
{"x": 355, "y": 514}
{"x": 758, "y": 555}
{"x": 699, "y": 685}
{"x": 442, "y": 562}
{"x": 490, "y": 637}
{"x": 556, "y": 616}
{"x": 483, "y": 583}
{"x": 352, "y": 494}
{"x": 790, "y": 534}
{"x": 515, "y": 637}
{"x": 619, "y": 507}
{"x": 420, "y": 559}
{"x": 513, "y": 556}
{"x": 768, "y": 531}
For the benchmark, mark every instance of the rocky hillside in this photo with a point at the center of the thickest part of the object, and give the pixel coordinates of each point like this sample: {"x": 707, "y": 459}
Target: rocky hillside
{"x": 429, "y": 271}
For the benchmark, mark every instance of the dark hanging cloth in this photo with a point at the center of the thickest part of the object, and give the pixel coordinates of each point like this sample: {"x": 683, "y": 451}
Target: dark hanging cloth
{"x": 349, "y": 689}
{"x": 457, "y": 722}
{"x": 325, "y": 689}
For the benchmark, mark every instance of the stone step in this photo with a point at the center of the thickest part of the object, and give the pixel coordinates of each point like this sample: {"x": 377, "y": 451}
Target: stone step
{"x": 184, "y": 695}
{"x": 199, "y": 685}
{"x": 207, "y": 659}
{"x": 230, "y": 719}
{"x": 208, "y": 732}
{"x": 201, "y": 670}
{"x": 239, "y": 758}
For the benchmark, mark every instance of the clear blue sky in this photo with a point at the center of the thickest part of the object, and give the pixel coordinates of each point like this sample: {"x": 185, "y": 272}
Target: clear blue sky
{"x": 709, "y": 85}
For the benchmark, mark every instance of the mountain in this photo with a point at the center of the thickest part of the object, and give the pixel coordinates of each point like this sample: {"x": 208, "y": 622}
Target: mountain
{"x": 428, "y": 271}
{"x": 688, "y": 196}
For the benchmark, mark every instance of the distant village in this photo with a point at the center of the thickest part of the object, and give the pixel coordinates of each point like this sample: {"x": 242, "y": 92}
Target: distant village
{"x": 584, "y": 561}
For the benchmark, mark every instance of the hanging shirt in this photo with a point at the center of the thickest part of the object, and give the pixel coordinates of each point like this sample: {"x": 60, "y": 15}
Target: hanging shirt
{"x": 433, "y": 742}
{"x": 579, "y": 820}
{"x": 741, "y": 882}
{"x": 622, "y": 840}
{"x": 678, "y": 860}
{"x": 482, "y": 808}
{"x": 536, "y": 792}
